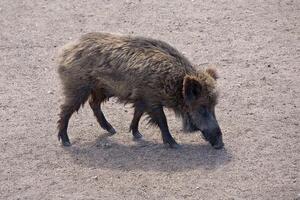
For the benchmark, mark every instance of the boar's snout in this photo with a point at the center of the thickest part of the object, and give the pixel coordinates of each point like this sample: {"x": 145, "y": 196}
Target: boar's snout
{"x": 214, "y": 137}
{"x": 204, "y": 120}
{"x": 219, "y": 143}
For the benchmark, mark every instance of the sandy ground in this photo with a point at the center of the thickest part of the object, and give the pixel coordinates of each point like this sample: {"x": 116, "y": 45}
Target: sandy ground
{"x": 256, "y": 48}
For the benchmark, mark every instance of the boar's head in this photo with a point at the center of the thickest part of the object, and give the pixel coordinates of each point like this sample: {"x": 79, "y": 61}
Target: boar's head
{"x": 200, "y": 99}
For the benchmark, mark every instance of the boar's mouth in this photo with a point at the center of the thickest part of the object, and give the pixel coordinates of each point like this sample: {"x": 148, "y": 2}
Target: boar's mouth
{"x": 214, "y": 138}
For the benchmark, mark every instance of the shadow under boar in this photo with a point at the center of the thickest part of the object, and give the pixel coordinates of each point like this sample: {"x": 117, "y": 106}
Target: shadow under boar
{"x": 148, "y": 73}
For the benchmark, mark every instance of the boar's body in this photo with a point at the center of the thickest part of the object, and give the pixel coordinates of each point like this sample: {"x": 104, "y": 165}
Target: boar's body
{"x": 148, "y": 73}
{"x": 130, "y": 68}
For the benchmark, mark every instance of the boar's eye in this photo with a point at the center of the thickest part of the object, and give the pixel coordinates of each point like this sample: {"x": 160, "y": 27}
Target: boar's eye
{"x": 203, "y": 111}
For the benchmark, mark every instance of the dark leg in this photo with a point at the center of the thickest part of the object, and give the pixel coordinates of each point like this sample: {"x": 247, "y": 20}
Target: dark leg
{"x": 95, "y": 102}
{"x": 72, "y": 103}
{"x": 158, "y": 117}
{"x": 138, "y": 112}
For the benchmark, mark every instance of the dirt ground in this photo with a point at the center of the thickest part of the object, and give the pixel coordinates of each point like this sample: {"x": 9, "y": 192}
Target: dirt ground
{"x": 256, "y": 48}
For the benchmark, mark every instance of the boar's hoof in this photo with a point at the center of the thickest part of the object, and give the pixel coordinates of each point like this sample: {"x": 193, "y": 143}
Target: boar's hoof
{"x": 63, "y": 136}
{"x": 137, "y": 135}
{"x": 66, "y": 143}
{"x": 173, "y": 145}
{"x": 218, "y": 146}
{"x": 111, "y": 130}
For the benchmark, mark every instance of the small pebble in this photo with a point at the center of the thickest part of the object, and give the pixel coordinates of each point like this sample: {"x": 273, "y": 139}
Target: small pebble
{"x": 107, "y": 146}
{"x": 50, "y": 92}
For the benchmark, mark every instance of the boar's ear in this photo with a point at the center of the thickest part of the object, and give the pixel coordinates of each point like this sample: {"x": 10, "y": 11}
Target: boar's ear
{"x": 191, "y": 89}
{"x": 212, "y": 72}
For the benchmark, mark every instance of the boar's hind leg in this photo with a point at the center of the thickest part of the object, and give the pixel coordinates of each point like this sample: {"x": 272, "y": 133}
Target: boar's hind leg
{"x": 97, "y": 98}
{"x": 158, "y": 117}
{"x": 139, "y": 109}
{"x": 74, "y": 99}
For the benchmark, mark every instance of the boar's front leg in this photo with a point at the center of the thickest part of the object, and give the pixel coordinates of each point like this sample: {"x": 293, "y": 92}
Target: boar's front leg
{"x": 139, "y": 109}
{"x": 158, "y": 117}
{"x": 97, "y": 97}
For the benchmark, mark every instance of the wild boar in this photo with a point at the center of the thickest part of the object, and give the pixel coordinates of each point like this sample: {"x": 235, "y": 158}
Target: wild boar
{"x": 150, "y": 74}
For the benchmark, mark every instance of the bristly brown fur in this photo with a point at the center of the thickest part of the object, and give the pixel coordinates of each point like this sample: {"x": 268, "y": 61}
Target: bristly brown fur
{"x": 130, "y": 68}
